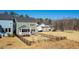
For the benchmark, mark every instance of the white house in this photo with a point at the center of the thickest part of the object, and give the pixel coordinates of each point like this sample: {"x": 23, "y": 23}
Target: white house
{"x": 43, "y": 28}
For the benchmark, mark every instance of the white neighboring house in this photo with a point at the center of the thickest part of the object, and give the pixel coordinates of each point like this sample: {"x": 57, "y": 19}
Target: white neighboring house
{"x": 43, "y": 28}
{"x": 39, "y": 28}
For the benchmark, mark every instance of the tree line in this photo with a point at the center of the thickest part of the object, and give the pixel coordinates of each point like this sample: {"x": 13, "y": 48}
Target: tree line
{"x": 63, "y": 24}
{"x": 67, "y": 24}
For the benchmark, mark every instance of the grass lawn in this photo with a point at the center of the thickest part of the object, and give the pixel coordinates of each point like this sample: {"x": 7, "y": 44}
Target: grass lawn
{"x": 11, "y": 43}
{"x": 63, "y": 44}
{"x": 71, "y": 35}
{"x": 72, "y": 41}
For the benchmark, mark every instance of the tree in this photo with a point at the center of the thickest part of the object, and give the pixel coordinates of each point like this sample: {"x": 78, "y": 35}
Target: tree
{"x": 21, "y": 15}
{"x": 5, "y": 12}
{"x": 76, "y": 26}
{"x": 13, "y": 13}
{"x": 60, "y": 25}
{"x": 55, "y": 26}
{"x": 1, "y": 29}
{"x": 26, "y": 16}
{"x": 46, "y": 21}
{"x": 40, "y": 20}
{"x": 50, "y": 21}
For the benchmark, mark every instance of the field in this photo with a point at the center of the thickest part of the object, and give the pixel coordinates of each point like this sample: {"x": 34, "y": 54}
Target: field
{"x": 45, "y": 40}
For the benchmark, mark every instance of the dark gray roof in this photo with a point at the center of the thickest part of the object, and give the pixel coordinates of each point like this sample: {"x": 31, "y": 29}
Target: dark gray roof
{"x": 17, "y": 18}
{"x": 24, "y": 19}
{"x": 5, "y": 17}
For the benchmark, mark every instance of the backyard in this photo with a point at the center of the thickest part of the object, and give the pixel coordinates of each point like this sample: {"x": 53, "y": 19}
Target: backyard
{"x": 45, "y": 40}
{"x": 11, "y": 43}
{"x": 71, "y": 41}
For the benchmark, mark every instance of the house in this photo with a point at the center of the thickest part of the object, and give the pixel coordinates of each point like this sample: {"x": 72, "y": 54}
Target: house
{"x": 25, "y": 26}
{"x": 39, "y": 27}
{"x": 6, "y": 24}
{"x": 46, "y": 28}
{"x": 43, "y": 28}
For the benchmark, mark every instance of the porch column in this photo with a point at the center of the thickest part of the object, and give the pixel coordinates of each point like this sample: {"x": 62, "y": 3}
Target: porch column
{"x": 30, "y": 31}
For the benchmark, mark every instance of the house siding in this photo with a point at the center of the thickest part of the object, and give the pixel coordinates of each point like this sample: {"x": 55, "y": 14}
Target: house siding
{"x": 27, "y": 25}
{"x": 7, "y": 24}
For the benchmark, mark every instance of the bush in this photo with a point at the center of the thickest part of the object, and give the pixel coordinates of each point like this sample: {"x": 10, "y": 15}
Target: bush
{"x": 11, "y": 35}
{"x": 0, "y": 36}
{"x": 54, "y": 30}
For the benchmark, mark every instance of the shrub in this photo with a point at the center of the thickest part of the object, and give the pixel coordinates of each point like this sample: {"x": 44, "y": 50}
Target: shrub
{"x": 11, "y": 35}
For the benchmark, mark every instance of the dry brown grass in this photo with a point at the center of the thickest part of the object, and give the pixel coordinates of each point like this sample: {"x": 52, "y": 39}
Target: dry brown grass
{"x": 71, "y": 35}
{"x": 63, "y": 44}
{"x": 11, "y": 42}
{"x": 42, "y": 41}
{"x": 70, "y": 42}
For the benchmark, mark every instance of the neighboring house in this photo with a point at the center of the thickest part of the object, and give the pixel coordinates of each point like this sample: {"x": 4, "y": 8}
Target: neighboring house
{"x": 46, "y": 28}
{"x": 39, "y": 27}
{"x": 25, "y": 26}
{"x": 6, "y": 24}
{"x": 43, "y": 27}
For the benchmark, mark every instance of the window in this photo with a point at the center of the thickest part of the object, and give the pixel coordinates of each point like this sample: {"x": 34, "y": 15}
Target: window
{"x": 7, "y": 29}
{"x": 32, "y": 24}
{"x": 28, "y": 30}
{"x": 33, "y": 29}
{"x": 25, "y": 30}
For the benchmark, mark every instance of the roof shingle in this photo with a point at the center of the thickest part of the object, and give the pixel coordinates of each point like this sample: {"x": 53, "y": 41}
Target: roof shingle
{"x": 24, "y": 19}
{"x": 5, "y": 17}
